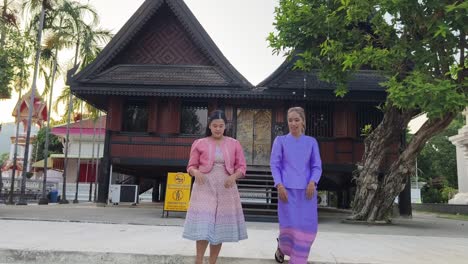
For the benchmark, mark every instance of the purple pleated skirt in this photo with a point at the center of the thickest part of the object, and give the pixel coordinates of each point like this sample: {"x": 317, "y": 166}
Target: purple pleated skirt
{"x": 298, "y": 225}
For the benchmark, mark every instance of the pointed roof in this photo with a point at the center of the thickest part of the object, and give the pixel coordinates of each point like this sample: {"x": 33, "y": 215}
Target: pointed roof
{"x": 39, "y": 109}
{"x": 214, "y": 69}
{"x": 286, "y": 77}
{"x": 294, "y": 83}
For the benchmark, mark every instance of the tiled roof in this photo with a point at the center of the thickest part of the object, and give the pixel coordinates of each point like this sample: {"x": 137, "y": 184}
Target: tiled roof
{"x": 87, "y": 123}
{"x": 162, "y": 75}
{"x": 220, "y": 92}
{"x": 285, "y": 77}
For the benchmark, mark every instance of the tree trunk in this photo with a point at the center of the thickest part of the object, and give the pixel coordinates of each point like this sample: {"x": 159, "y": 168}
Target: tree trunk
{"x": 44, "y": 199}
{"x": 378, "y": 186}
{"x": 22, "y": 199}
{"x": 3, "y": 29}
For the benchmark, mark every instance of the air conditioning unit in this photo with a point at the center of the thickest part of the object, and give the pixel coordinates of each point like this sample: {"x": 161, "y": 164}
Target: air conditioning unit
{"x": 123, "y": 193}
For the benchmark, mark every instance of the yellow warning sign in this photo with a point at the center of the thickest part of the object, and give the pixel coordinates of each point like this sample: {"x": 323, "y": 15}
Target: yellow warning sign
{"x": 177, "y": 191}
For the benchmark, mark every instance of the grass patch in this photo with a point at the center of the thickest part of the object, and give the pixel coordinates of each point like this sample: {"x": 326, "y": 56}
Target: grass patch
{"x": 461, "y": 217}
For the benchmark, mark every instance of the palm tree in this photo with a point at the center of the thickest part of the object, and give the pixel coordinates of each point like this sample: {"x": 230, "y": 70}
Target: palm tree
{"x": 77, "y": 11}
{"x": 15, "y": 152}
{"x": 60, "y": 38}
{"x": 33, "y": 6}
{"x": 88, "y": 41}
{"x": 8, "y": 19}
{"x": 22, "y": 200}
{"x": 52, "y": 57}
{"x": 66, "y": 20}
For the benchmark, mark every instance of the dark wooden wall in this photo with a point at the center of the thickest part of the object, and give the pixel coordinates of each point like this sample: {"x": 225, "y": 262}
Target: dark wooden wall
{"x": 345, "y": 147}
{"x": 150, "y": 147}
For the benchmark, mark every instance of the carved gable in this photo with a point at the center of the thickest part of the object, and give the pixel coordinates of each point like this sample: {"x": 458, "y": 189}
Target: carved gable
{"x": 163, "y": 40}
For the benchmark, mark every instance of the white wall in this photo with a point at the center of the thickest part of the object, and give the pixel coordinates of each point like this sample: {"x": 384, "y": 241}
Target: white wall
{"x": 86, "y": 146}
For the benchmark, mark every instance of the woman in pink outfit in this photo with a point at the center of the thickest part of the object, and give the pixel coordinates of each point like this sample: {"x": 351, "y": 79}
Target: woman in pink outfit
{"x": 215, "y": 213}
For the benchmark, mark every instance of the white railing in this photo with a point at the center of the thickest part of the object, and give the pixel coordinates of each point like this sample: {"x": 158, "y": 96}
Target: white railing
{"x": 31, "y": 185}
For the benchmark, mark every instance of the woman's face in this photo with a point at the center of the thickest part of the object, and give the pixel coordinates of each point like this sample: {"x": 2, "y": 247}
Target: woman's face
{"x": 217, "y": 127}
{"x": 295, "y": 123}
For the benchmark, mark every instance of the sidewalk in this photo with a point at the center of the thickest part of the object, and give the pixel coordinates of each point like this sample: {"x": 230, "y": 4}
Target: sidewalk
{"x": 105, "y": 235}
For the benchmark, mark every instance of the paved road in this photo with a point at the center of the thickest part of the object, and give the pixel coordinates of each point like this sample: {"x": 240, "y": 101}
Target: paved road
{"x": 88, "y": 234}
{"x": 421, "y": 224}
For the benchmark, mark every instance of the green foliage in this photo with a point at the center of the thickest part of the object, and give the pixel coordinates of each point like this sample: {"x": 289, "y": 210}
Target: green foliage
{"x": 4, "y": 157}
{"x": 448, "y": 193}
{"x": 190, "y": 123}
{"x": 67, "y": 24}
{"x": 431, "y": 195}
{"x": 438, "y": 157}
{"x": 366, "y": 130}
{"x": 12, "y": 63}
{"x": 55, "y": 146}
{"x": 414, "y": 44}
{"x": 434, "y": 97}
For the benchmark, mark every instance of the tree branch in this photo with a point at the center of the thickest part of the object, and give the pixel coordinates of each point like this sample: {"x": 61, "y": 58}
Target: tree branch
{"x": 429, "y": 129}
{"x": 463, "y": 73}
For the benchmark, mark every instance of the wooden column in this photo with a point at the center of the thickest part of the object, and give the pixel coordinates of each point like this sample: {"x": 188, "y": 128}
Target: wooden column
{"x": 104, "y": 171}
{"x": 114, "y": 113}
{"x": 153, "y": 115}
{"x": 344, "y": 124}
{"x": 168, "y": 116}
{"x": 212, "y": 105}
{"x": 404, "y": 201}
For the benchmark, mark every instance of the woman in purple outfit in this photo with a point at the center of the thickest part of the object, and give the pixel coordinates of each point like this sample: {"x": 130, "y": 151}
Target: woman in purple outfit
{"x": 296, "y": 168}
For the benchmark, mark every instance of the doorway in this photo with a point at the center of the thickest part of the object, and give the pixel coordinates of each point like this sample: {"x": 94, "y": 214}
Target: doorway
{"x": 254, "y": 134}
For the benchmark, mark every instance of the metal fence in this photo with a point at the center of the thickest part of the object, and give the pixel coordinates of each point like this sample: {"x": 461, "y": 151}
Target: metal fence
{"x": 33, "y": 190}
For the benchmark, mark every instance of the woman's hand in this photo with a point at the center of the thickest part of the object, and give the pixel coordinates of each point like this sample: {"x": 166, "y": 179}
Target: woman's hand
{"x": 230, "y": 181}
{"x": 282, "y": 193}
{"x": 199, "y": 177}
{"x": 310, "y": 190}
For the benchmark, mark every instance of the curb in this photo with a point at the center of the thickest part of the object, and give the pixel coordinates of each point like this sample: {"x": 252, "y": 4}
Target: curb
{"x": 80, "y": 221}
{"x": 14, "y": 256}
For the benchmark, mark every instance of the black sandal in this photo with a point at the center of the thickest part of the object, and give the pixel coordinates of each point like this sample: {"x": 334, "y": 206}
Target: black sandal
{"x": 279, "y": 256}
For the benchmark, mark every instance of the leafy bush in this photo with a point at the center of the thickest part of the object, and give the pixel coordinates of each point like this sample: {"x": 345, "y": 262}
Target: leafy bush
{"x": 431, "y": 195}
{"x": 448, "y": 193}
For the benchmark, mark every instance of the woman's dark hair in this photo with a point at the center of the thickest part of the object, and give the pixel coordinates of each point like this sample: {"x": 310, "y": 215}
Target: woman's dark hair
{"x": 216, "y": 114}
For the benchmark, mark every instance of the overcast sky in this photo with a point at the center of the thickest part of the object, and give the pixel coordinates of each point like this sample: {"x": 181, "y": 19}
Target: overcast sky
{"x": 239, "y": 28}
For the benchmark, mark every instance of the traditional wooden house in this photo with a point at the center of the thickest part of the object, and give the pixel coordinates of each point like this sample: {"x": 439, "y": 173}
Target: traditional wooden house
{"x": 161, "y": 75}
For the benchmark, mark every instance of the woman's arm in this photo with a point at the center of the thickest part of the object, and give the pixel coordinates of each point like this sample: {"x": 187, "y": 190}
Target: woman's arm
{"x": 240, "y": 166}
{"x": 276, "y": 159}
{"x": 194, "y": 159}
{"x": 315, "y": 163}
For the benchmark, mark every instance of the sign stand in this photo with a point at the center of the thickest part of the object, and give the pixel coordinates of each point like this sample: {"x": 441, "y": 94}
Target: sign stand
{"x": 177, "y": 192}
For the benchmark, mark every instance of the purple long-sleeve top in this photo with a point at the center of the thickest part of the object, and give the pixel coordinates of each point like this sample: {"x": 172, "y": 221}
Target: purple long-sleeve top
{"x": 295, "y": 162}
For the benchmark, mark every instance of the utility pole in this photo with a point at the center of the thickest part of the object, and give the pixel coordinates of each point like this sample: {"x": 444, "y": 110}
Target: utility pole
{"x": 79, "y": 155}
{"x": 63, "y": 199}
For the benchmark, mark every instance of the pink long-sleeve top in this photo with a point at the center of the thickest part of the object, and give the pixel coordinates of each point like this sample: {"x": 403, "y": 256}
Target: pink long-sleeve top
{"x": 202, "y": 155}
